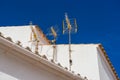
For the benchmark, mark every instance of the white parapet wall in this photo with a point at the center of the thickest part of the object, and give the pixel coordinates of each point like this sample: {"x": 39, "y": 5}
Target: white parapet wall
{"x": 88, "y": 60}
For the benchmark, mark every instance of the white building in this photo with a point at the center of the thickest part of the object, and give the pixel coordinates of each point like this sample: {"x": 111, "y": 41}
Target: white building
{"x": 88, "y": 60}
{"x": 17, "y": 63}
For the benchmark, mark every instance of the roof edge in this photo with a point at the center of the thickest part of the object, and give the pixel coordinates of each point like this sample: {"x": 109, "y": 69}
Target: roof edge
{"x": 39, "y": 59}
{"x": 109, "y": 62}
{"x": 43, "y": 35}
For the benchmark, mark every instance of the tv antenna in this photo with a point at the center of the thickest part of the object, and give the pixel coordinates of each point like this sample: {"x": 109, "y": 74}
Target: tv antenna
{"x": 34, "y": 38}
{"x": 69, "y": 26}
{"x": 54, "y": 44}
{"x": 53, "y": 32}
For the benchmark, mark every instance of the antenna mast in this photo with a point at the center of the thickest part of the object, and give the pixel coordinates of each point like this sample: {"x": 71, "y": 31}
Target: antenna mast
{"x": 35, "y": 38}
{"x": 68, "y": 27}
{"x": 54, "y": 44}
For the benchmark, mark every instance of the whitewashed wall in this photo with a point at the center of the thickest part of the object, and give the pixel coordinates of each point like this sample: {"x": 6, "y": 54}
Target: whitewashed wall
{"x": 22, "y": 34}
{"x": 87, "y": 60}
{"x": 17, "y": 33}
{"x": 84, "y": 58}
{"x": 13, "y": 67}
{"x": 104, "y": 69}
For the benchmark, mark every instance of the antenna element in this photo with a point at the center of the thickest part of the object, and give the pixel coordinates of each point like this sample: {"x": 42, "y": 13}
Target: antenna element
{"x": 69, "y": 26}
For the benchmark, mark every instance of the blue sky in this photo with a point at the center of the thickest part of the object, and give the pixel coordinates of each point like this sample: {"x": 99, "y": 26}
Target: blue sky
{"x": 98, "y": 20}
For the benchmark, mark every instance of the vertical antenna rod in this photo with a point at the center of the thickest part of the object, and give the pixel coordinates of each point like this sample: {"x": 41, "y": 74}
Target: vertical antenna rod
{"x": 54, "y": 44}
{"x": 35, "y": 37}
{"x": 69, "y": 32}
{"x": 69, "y": 26}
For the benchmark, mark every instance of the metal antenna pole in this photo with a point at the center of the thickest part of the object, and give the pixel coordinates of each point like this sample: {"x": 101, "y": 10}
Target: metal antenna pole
{"x": 70, "y": 60}
{"x": 67, "y": 26}
{"x": 36, "y": 39}
{"x": 54, "y": 50}
{"x": 36, "y": 48}
{"x": 54, "y": 44}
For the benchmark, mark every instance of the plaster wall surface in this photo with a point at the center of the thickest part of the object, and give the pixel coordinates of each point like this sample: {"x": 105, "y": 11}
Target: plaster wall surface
{"x": 104, "y": 69}
{"x": 84, "y": 58}
{"x": 88, "y": 60}
{"x": 15, "y": 68}
{"x": 24, "y": 34}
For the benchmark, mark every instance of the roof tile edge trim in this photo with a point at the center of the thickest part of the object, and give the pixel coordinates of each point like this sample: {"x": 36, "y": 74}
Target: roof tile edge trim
{"x": 108, "y": 60}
